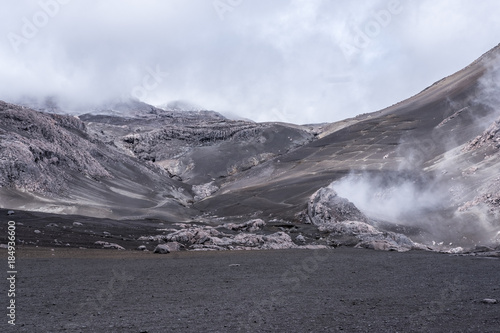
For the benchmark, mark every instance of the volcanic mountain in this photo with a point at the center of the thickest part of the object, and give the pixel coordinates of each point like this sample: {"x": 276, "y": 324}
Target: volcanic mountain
{"x": 426, "y": 167}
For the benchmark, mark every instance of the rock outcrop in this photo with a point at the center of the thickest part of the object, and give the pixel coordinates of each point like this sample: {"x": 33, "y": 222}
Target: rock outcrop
{"x": 198, "y": 237}
{"x": 204, "y": 190}
{"x": 346, "y": 225}
{"x": 325, "y": 207}
{"x": 489, "y": 139}
{"x": 39, "y": 151}
{"x": 249, "y": 226}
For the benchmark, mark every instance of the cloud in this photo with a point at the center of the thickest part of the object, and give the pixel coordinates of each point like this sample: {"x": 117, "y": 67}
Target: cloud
{"x": 283, "y": 60}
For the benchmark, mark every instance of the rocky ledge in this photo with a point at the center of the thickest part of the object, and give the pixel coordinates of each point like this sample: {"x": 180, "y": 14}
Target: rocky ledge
{"x": 248, "y": 236}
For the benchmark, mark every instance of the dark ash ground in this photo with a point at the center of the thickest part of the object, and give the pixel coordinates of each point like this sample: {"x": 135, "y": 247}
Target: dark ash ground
{"x": 349, "y": 290}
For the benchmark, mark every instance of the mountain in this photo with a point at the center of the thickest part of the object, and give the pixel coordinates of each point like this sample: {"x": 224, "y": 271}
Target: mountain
{"x": 426, "y": 167}
{"x": 438, "y": 146}
{"x": 50, "y": 163}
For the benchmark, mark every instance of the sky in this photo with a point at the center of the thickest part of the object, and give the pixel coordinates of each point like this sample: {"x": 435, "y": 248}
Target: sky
{"x": 299, "y": 61}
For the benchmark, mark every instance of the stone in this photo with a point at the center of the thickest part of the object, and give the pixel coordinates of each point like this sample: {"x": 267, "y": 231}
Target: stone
{"x": 10, "y": 212}
{"x": 161, "y": 249}
{"x": 300, "y": 239}
{"x": 174, "y": 246}
{"x": 489, "y": 301}
{"x": 107, "y": 245}
{"x": 250, "y": 226}
{"x": 326, "y": 206}
{"x": 203, "y": 191}
{"x": 77, "y": 224}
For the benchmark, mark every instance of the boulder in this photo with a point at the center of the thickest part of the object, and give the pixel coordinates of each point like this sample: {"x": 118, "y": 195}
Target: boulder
{"x": 325, "y": 206}
{"x": 107, "y": 245}
{"x": 162, "y": 249}
{"x": 174, "y": 246}
{"x": 193, "y": 235}
{"x": 489, "y": 301}
{"x": 250, "y": 226}
{"x": 204, "y": 190}
{"x": 300, "y": 239}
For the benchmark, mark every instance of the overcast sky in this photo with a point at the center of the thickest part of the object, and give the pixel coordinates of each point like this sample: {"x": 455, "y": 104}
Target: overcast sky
{"x": 300, "y": 61}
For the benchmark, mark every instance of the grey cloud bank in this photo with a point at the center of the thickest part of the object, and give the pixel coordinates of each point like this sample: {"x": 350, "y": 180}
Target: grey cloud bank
{"x": 296, "y": 61}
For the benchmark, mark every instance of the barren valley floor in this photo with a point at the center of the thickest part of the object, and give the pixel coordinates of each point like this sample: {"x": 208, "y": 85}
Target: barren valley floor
{"x": 345, "y": 289}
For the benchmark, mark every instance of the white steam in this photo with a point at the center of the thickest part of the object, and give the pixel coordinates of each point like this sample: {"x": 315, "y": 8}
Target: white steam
{"x": 393, "y": 200}
{"x": 437, "y": 187}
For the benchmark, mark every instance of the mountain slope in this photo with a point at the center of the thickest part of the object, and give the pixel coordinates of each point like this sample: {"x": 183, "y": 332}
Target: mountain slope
{"x": 427, "y": 166}
{"x": 50, "y": 163}
{"x": 417, "y": 141}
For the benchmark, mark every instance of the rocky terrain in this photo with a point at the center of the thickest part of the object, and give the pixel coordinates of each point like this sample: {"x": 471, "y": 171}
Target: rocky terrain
{"x": 421, "y": 174}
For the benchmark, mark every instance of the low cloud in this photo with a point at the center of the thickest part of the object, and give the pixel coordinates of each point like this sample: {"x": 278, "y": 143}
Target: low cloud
{"x": 284, "y": 60}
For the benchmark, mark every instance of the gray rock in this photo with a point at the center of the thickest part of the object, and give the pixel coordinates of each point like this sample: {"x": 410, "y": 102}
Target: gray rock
{"x": 300, "y": 239}
{"x": 489, "y": 301}
{"x": 490, "y": 138}
{"x": 77, "y": 224}
{"x": 142, "y": 248}
{"x": 162, "y": 249}
{"x": 10, "y": 212}
{"x": 174, "y": 246}
{"x": 37, "y": 231}
{"x": 113, "y": 246}
{"x": 250, "y": 226}
{"x": 107, "y": 245}
{"x": 204, "y": 190}
{"x": 326, "y": 206}
{"x": 193, "y": 235}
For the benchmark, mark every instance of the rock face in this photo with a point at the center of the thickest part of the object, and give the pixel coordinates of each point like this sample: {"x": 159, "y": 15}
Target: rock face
{"x": 204, "y": 190}
{"x": 490, "y": 138}
{"x": 485, "y": 151}
{"x": 363, "y": 235}
{"x": 35, "y": 147}
{"x": 196, "y": 146}
{"x": 326, "y": 207}
{"x": 347, "y": 226}
{"x": 54, "y": 158}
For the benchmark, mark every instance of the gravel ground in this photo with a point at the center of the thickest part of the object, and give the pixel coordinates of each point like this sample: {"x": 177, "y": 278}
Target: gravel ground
{"x": 350, "y": 290}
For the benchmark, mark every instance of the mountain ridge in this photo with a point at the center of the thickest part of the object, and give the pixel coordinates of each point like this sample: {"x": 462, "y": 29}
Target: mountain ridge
{"x": 147, "y": 162}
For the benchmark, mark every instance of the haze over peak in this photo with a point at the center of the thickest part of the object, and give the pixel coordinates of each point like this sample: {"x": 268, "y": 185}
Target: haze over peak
{"x": 292, "y": 61}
